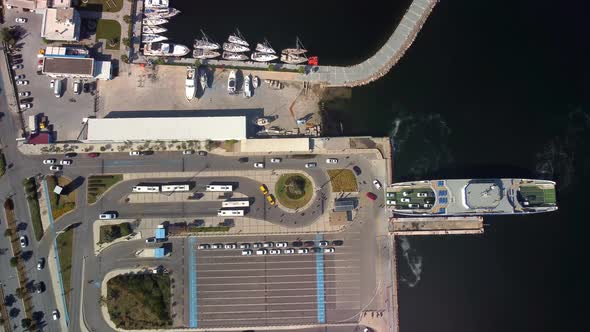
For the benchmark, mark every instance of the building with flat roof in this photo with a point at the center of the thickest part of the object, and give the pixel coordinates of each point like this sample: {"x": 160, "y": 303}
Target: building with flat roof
{"x": 219, "y": 128}
{"x": 300, "y": 144}
{"x": 77, "y": 67}
{"x": 62, "y": 24}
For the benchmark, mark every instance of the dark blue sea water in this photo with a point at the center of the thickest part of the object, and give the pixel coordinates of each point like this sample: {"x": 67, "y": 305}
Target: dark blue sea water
{"x": 489, "y": 89}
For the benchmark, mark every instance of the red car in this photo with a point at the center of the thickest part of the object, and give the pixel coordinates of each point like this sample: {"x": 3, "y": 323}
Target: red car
{"x": 93, "y": 155}
{"x": 371, "y": 196}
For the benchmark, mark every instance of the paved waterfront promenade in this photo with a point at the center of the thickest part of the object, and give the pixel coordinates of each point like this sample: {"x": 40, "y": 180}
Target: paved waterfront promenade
{"x": 363, "y": 73}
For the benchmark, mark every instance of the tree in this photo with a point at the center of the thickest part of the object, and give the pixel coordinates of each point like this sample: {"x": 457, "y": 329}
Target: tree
{"x": 8, "y": 232}
{"x": 13, "y": 261}
{"x": 127, "y": 19}
{"x": 21, "y": 292}
{"x": 125, "y": 58}
{"x": 126, "y": 42}
{"x": 102, "y": 301}
{"x": 8, "y": 35}
{"x": 197, "y": 63}
{"x": 25, "y": 323}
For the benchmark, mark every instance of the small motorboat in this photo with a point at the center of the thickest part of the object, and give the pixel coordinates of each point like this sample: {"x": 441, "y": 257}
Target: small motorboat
{"x": 231, "y": 82}
{"x": 255, "y": 82}
{"x": 152, "y": 38}
{"x": 247, "y": 87}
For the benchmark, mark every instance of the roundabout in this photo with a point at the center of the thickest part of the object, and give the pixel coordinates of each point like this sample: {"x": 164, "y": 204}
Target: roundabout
{"x": 293, "y": 190}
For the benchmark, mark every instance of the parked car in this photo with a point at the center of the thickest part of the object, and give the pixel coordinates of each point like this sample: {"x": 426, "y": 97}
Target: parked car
{"x": 108, "y": 215}
{"x": 275, "y": 251}
{"x": 25, "y": 106}
{"x": 257, "y": 245}
{"x": 268, "y": 245}
{"x": 289, "y": 251}
{"x": 187, "y": 152}
{"x": 258, "y": 165}
{"x": 243, "y": 159}
{"x": 246, "y": 252}
{"x": 297, "y": 244}
{"x": 49, "y": 161}
{"x": 337, "y": 242}
{"x": 134, "y": 153}
{"x": 52, "y": 84}
{"x": 77, "y": 87}
{"x": 150, "y": 240}
{"x": 71, "y": 154}
{"x": 275, "y": 160}
{"x": 22, "y": 82}
{"x": 331, "y": 161}
{"x": 40, "y": 263}
{"x": 261, "y": 252}
{"x": 17, "y": 66}
{"x": 23, "y": 241}
{"x": 271, "y": 200}
{"x": 309, "y": 243}
{"x": 245, "y": 246}
{"x": 302, "y": 251}
{"x": 86, "y": 88}
{"x": 204, "y": 246}
{"x": 422, "y": 194}
{"x": 217, "y": 246}
{"x": 357, "y": 170}
{"x": 65, "y": 162}
{"x": 55, "y": 314}
{"x": 24, "y": 94}
{"x": 230, "y": 246}
{"x": 311, "y": 165}
{"x": 40, "y": 287}
{"x": 20, "y": 20}
{"x": 371, "y": 196}
{"x": 55, "y": 168}
{"x": 281, "y": 244}
{"x": 328, "y": 250}
{"x": 93, "y": 154}
{"x": 377, "y": 184}
{"x": 19, "y": 77}
{"x": 323, "y": 243}
{"x": 202, "y": 153}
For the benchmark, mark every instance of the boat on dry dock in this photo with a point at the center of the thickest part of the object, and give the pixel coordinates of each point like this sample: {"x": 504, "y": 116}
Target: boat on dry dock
{"x": 205, "y": 54}
{"x": 205, "y": 44}
{"x": 190, "y": 83}
{"x": 237, "y": 38}
{"x": 247, "y": 87}
{"x": 203, "y": 78}
{"x": 165, "y": 49}
{"x": 236, "y": 48}
{"x": 234, "y": 56}
{"x": 263, "y": 57}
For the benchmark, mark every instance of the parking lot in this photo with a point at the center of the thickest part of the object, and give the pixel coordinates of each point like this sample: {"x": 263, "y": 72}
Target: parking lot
{"x": 65, "y": 114}
{"x": 226, "y": 289}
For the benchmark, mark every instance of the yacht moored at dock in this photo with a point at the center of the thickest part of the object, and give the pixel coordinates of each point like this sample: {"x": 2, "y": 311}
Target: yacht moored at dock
{"x": 265, "y": 47}
{"x": 156, "y": 3}
{"x": 154, "y": 21}
{"x": 153, "y": 29}
{"x": 152, "y": 38}
{"x": 161, "y": 13}
{"x": 234, "y": 56}
{"x": 189, "y": 85}
{"x": 293, "y": 58}
{"x": 165, "y": 49}
{"x": 263, "y": 57}
{"x": 205, "y": 54}
{"x": 237, "y": 38}
{"x": 460, "y": 197}
{"x": 236, "y": 48}
{"x": 205, "y": 44}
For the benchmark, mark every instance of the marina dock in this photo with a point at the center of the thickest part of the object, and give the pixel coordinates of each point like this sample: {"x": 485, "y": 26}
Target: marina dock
{"x": 436, "y": 226}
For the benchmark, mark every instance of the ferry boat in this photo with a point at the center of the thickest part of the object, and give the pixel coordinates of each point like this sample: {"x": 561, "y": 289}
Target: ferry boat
{"x": 265, "y": 47}
{"x": 247, "y": 88}
{"x": 234, "y": 56}
{"x": 293, "y": 58}
{"x": 299, "y": 48}
{"x": 477, "y": 197}
{"x": 231, "y": 82}
{"x": 165, "y": 49}
{"x": 205, "y": 54}
{"x": 156, "y": 3}
{"x": 161, "y": 13}
{"x": 236, "y": 48}
{"x": 205, "y": 44}
{"x": 189, "y": 85}
{"x": 153, "y": 29}
{"x": 152, "y": 38}
{"x": 237, "y": 38}
{"x": 263, "y": 57}
{"x": 203, "y": 79}
{"x": 154, "y": 21}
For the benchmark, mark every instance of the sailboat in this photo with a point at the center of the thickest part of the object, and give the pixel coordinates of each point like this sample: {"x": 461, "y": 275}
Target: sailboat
{"x": 205, "y": 44}
{"x": 299, "y": 48}
{"x": 293, "y": 58}
{"x": 205, "y": 54}
{"x": 236, "y": 48}
{"x": 189, "y": 85}
{"x": 152, "y": 38}
{"x": 265, "y": 47}
{"x": 161, "y": 13}
{"x": 153, "y": 29}
{"x": 263, "y": 57}
{"x": 234, "y": 56}
{"x": 237, "y": 38}
{"x": 154, "y": 21}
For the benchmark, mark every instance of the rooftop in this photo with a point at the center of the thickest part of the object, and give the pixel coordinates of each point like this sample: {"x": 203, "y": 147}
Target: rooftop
{"x": 61, "y": 24}
{"x": 71, "y": 66}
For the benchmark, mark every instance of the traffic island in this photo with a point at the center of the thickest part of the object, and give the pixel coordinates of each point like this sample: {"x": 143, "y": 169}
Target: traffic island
{"x": 99, "y": 184}
{"x": 293, "y": 190}
{"x": 30, "y": 186}
{"x": 343, "y": 180}
{"x": 139, "y": 301}
{"x": 65, "y": 243}
{"x": 62, "y": 200}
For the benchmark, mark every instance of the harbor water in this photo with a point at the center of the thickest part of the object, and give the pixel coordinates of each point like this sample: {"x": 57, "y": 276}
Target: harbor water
{"x": 488, "y": 89}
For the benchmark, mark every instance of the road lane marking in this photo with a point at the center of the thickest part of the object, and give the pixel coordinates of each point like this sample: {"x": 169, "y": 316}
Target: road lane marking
{"x": 352, "y": 260}
{"x": 321, "y": 305}
{"x": 277, "y": 282}
{"x": 273, "y": 296}
{"x": 277, "y": 290}
{"x": 192, "y": 263}
{"x": 262, "y": 276}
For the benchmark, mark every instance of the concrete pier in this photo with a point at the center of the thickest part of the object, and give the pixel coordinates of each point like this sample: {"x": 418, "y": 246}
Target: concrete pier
{"x": 436, "y": 225}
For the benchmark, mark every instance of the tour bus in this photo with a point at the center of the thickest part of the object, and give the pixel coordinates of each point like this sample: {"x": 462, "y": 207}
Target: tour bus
{"x": 175, "y": 187}
{"x": 231, "y": 204}
{"x": 146, "y": 189}
{"x": 222, "y": 187}
{"x": 230, "y": 213}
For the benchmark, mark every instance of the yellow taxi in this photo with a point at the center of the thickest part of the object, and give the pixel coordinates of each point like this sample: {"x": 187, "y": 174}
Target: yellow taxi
{"x": 264, "y": 189}
{"x": 271, "y": 200}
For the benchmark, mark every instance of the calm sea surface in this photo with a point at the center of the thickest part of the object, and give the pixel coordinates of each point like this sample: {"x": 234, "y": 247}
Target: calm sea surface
{"x": 489, "y": 89}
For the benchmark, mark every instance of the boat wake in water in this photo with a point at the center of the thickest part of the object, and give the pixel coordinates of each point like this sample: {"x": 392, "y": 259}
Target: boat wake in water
{"x": 413, "y": 261}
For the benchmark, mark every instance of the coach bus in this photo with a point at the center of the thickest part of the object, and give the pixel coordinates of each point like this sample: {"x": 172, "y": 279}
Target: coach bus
{"x": 230, "y": 213}
{"x": 219, "y": 187}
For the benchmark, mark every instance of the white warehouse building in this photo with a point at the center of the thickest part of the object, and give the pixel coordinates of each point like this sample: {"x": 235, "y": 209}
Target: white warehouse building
{"x": 219, "y": 128}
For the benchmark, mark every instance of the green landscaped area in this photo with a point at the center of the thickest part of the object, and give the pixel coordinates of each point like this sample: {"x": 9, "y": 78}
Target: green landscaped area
{"x": 30, "y": 186}
{"x": 64, "y": 203}
{"x": 2, "y": 164}
{"x": 111, "y": 31}
{"x": 98, "y": 184}
{"x": 293, "y": 190}
{"x": 342, "y": 180}
{"x": 111, "y": 6}
{"x": 109, "y": 233}
{"x": 64, "y": 248}
{"x": 536, "y": 195}
{"x": 139, "y": 301}
{"x": 208, "y": 229}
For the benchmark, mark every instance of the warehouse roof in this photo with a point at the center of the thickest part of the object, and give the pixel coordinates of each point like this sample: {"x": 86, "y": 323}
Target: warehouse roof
{"x": 275, "y": 145}
{"x": 218, "y": 128}
{"x": 70, "y": 66}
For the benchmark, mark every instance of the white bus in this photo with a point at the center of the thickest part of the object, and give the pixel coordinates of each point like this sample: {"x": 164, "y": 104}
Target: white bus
{"x": 175, "y": 187}
{"x": 146, "y": 189}
{"x": 222, "y": 187}
{"x": 230, "y": 213}
{"x": 231, "y": 204}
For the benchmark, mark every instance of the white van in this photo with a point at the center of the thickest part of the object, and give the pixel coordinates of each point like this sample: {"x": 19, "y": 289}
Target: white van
{"x": 57, "y": 89}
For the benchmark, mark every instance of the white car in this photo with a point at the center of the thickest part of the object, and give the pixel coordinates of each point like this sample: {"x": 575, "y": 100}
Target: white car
{"x": 204, "y": 246}
{"x": 421, "y": 194}
{"x": 217, "y": 246}
{"x": 134, "y": 153}
{"x": 281, "y": 244}
{"x": 19, "y": 77}
{"x": 328, "y": 250}
{"x": 275, "y": 251}
{"x": 22, "y": 82}
{"x": 245, "y": 246}
{"x": 246, "y": 252}
{"x": 17, "y": 66}
{"x": 268, "y": 245}
{"x": 405, "y": 200}
{"x": 77, "y": 87}
{"x": 377, "y": 184}
{"x": 258, "y": 165}
{"x": 65, "y": 162}
{"x": 230, "y": 246}
{"x": 311, "y": 165}
{"x": 289, "y": 251}
{"x": 50, "y": 161}
{"x": 261, "y": 252}
{"x": 275, "y": 160}
{"x": 257, "y": 245}
{"x": 188, "y": 151}
{"x": 331, "y": 161}
{"x": 107, "y": 216}
{"x": 302, "y": 251}
{"x": 24, "y": 94}
{"x": 51, "y": 84}
{"x": 55, "y": 314}
{"x": 20, "y": 20}
{"x": 23, "y": 241}
{"x": 55, "y": 168}
{"x": 24, "y": 106}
